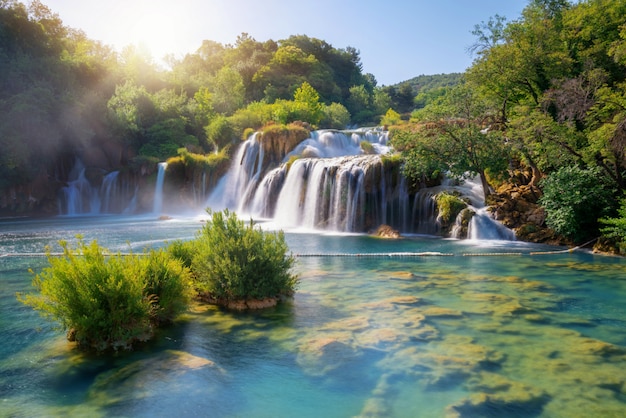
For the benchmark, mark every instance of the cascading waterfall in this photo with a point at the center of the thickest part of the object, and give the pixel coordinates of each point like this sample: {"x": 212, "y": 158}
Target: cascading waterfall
{"x": 157, "y": 205}
{"x": 103, "y": 194}
{"x": 326, "y": 182}
{"x": 484, "y": 227}
{"x": 235, "y": 189}
{"x": 79, "y": 196}
{"x": 334, "y": 187}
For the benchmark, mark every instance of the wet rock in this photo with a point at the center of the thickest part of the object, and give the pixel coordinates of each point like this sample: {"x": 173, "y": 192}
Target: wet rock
{"x": 385, "y": 231}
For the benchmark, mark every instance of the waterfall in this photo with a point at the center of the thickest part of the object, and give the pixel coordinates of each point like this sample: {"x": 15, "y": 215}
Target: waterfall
{"x": 79, "y": 197}
{"x": 157, "y": 205}
{"x": 109, "y": 191}
{"x": 236, "y": 188}
{"x": 484, "y": 227}
{"x": 327, "y": 182}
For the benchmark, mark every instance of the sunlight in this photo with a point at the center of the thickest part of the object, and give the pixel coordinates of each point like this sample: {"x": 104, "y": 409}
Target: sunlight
{"x": 158, "y": 27}
{"x": 153, "y": 31}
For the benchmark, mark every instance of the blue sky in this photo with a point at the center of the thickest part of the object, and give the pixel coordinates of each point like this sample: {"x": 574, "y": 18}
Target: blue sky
{"x": 397, "y": 39}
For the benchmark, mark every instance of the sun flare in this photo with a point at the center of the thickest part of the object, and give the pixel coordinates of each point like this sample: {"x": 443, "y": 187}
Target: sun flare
{"x": 156, "y": 26}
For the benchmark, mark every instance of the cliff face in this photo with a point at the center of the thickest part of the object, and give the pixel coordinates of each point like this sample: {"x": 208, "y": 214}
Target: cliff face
{"x": 516, "y": 207}
{"x": 39, "y": 196}
{"x": 278, "y": 140}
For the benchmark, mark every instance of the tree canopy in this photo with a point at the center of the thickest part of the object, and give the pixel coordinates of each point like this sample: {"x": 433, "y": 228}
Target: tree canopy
{"x": 548, "y": 92}
{"x": 63, "y": 94}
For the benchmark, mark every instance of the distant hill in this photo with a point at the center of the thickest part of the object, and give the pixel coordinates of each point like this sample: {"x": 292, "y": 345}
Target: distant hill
{"x": 423, "y": 83}
{"x": 416, "y": 92}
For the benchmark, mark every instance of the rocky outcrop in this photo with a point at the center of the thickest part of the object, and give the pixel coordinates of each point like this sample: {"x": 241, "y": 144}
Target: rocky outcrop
{"x": 516, "y": 207}
{"x": 385, "y": 231}
{"x": 279, "y": 140}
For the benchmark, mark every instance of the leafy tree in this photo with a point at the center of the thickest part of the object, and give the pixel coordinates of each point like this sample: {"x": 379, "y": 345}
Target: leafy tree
{"x": 454, "y": 135}
{"x": 359, "y": 104}
{"x": 336, "y": 116}
{"x": 288, "y": 69}
{"x": 574, "y": 200}
{"x": 391, "y": 118}
{"x": 308, "y": 98}
{"x": 227, "y": 91}
{"x": 537, "y": 140}
{"x": 220, "y": 132}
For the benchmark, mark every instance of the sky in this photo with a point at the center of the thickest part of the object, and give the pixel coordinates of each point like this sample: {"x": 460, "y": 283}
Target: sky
{"x": 397, "y": 39}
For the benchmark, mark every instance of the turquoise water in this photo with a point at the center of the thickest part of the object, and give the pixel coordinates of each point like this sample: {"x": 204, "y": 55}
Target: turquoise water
{"x": 432, "y": 336}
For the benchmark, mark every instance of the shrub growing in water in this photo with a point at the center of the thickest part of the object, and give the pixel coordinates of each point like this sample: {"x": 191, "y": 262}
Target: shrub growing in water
{"x": 109, "y": 301}
{"x": 233, "y": 261}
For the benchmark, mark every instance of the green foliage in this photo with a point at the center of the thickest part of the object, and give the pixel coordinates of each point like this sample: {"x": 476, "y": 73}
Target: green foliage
{"x": 220, "y": 132}
{"x": 165, "y": 138}
{"x": 615, "y": 228}
{"x": 449, "y": 206}
{"x": 359, "y": 104}
{"x": 367, "y": 147}
{"x": 253, "y": 116}
{"x": 307, "y": 98}
{"x": 336, "y": 116}
{"x": 109, "y": 301}
{"x": 234, "y": 261}
{"x": 228, "y": 90}
{"x": 206, "y": 162}
{"x": 574, "y": 200}
{"x": 391, "y": 118}
{"x": 451, "y": 137}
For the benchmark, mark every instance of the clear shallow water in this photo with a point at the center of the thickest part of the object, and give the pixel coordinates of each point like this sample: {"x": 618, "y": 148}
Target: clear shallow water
{"x": 470, "y": 336}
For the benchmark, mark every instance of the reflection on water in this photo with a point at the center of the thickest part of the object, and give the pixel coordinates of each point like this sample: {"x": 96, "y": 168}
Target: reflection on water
{"x": 468, "y": 336}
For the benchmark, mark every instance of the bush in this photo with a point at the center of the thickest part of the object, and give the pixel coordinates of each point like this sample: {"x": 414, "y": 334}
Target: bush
{"x": 109, "y": 301}
{"x": 574, "y": 200}
{"x": 336, "y": 116}
{"x": 233, "y": 261}
{"x": 615, "y": 228}
{"x": 220, "y": 132}
{"x": 449, "y": 207}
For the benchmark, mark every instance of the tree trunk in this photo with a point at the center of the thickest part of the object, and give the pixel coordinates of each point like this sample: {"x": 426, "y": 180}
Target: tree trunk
{"x": 485, "y": 184}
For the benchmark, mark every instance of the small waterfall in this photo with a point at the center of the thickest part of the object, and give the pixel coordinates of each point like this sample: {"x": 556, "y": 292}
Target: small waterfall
{"x": 109, "y": 191}
{"x": 157, "y": 205}
{"x": 79, "y": 197}
{"x": 484, "y": 227}
{"x": 237, "y": 187}
{"x": 325, "y": 193}
{"x": 425, "y": 212}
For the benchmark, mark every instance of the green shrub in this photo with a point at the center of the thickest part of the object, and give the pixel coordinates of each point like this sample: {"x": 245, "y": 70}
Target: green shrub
{"x": 449, "y": 206}
{"x": 367, "y": 147}
{"x": 336, "y": 116}
{"x": 574, "y": 200}
{"x": 234, "y": 261}
{"x": 109, "y": 301}
{"x": 615, "y": 228}
{"x": 220, "y": 132}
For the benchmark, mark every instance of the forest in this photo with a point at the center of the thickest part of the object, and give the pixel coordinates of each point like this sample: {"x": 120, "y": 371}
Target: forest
{"x": 545, "y": 95}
